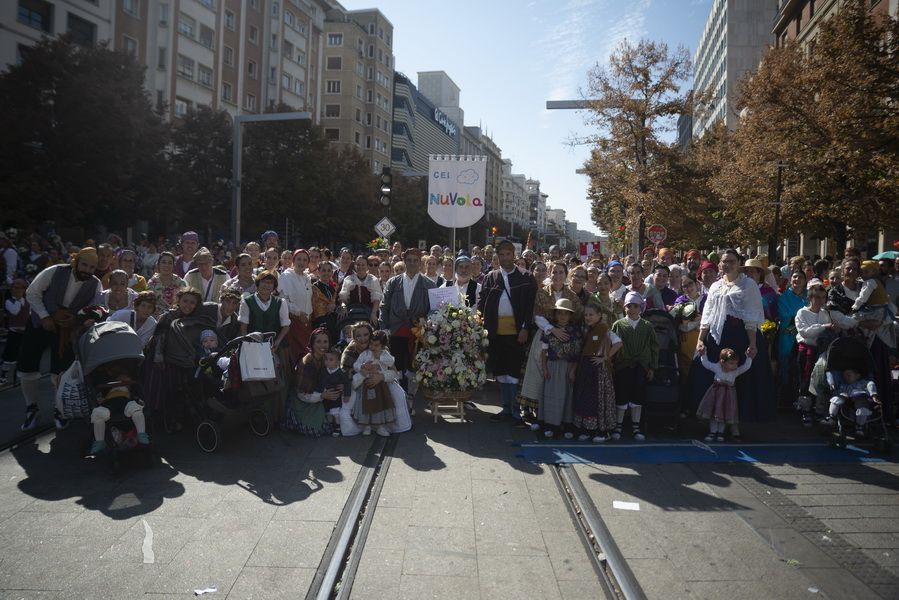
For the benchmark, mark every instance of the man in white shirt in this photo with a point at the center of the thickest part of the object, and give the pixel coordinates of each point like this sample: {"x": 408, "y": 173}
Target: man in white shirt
{"x": 208, "y": 280}
{"x": 468, "y": 288}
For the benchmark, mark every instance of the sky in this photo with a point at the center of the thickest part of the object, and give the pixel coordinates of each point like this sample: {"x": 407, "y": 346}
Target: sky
{"x": 510, "y": 56}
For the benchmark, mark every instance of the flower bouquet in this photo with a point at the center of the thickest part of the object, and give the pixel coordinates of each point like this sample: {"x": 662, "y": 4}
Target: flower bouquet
{"x": 449, "y": 363}
{"x": 379, "y": 243}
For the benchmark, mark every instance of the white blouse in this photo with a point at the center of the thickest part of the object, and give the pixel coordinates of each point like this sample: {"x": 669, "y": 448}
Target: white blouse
{"x": 809, "y": 324}
{"x": 740, "y": 299}
{"x": 722, "y": 376}
{"x": 296, "y": 289}
{"x": 351, "y": 281}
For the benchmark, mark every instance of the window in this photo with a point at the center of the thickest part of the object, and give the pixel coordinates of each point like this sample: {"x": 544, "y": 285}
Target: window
{"x": 129, "y": 45}
{"x": 185, "y": 66}
{"x": 229, "y": 56}
{"x": 332, "y": 110}
{"x": 181, "y": 107}
{"x": 288, "y": 50}
{"x": 371, "y": 29}
{"x": 358, "y": 116}
{"x": 131, "y": 7}
{"x": 360, "y": 69}
{"x": 289, "y": 18}
{"x": 357, "y": 137}
{"x": 254, "y": 4}
{"x": 276, "y": 10}
{"x": 381, "y": 33}
{"x": 380, "y": 55}
{"x": 388, "y": 39}
{"x": 285, "y": 81}
{"x": 368, "y": 119}
{"x": 207, "y": 36}
{"x": 274, "y": 45}
{"x": 160, "y": 99}
{"x": 334, "y": 63}
{"x": 161, "y": 58}
{"x": 186, "y": 26}
{"x": 298, "y": 87}
{"x": 332, "y": 134}
{"x": 371, "y": 73}
{"x": 332, "y": 86}
{"x": 251, "y": 69}
{"x": 163, "y": 15}
{"x": 335, "y": 39}
{"x": 368, "y": 141}
{"x": 301, "y": 57}
{"x": 370, "y": 94}
{"x": 205, "y": 76}
{"x": 371, "y": 51}
{"x": 254, "y": 34}
{"x": 210, "y": 4}
{"x": 378, "y": 121}
{"x": 250, "y": 103}
{"x": 272, "y": 74}
{"x": 359, "y": 92}
{"x": 83, "y": 32}
{"x": 229, "y": 20}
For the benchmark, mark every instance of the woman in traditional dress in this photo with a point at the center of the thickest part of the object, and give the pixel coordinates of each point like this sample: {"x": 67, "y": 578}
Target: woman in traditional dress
{"x": 244, "y": 280}
{"x": 128, "y": 262}
{"x": 164, "y": 283}
{"x": 789, "y": 303}
{"x": 118, "y": 296}
{"x": 688, "y": 314}
{"x": 324, "y": 298}
{"x": 296, "y": 289}
{"x": 730, "y": 319}
{"x": 544, "y": 304}
{"x": 305, "y": 411}
{"x": 756, "y": 271}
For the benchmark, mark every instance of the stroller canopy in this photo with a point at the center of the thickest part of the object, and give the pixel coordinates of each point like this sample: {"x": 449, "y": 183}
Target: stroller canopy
{"x": 849, "y": 353}
{"x": 107, "y": 342}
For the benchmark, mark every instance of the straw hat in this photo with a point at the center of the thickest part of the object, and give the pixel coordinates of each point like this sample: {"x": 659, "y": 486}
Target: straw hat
{"x": 564, "y": 304}
{"x": 754, "y": 263}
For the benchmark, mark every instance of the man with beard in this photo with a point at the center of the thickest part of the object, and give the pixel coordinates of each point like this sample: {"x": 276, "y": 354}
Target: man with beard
{"x": 55, "y": 296}
{"x": 507, "y": 303}
{"x": 468, "y": 288}
{"x": 692, "y": 261}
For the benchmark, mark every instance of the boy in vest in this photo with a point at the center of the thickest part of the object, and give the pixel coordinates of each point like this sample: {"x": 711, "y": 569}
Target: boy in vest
{"x": 634, "y": 363}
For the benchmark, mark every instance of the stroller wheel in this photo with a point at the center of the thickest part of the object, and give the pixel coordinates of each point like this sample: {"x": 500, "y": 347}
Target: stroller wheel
{"x": 209, "y": 436}
{"x": 260, "y": 423}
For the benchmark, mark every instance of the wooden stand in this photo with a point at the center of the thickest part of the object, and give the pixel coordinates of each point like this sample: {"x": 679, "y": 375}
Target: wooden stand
{"x": 450, "y": 404}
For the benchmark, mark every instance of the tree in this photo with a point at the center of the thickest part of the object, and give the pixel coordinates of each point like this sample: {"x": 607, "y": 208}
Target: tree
{"x": 200, "y": 171}
{"x": 633, "y": 103}
{"x": 80, "y": 138}
{"x": 830, "y": 112}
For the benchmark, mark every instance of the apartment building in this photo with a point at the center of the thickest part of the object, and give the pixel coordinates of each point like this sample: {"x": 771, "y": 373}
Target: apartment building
{"x": 238, "y": 55}
{"x": 420, "y": 128}
{"x": 514, "y": 208}
{"x": 536, "y": 207}
{"x": 357, "y": 82}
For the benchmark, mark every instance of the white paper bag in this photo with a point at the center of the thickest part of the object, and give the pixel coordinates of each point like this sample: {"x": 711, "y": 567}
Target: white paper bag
{"x": 256, "y": 362}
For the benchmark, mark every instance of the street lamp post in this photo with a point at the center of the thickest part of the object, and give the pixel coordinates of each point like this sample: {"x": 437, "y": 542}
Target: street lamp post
{"x": 238, "y": 159}
{"x": 772, "y": 242}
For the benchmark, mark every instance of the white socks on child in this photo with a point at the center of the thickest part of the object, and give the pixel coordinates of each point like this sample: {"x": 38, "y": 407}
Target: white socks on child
{"x": 30, "y": 383}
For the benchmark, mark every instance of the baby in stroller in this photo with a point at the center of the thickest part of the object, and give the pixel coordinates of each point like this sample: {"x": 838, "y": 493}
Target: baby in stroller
{"x": 862, "y": 393}
{"x": 117, "y": 380}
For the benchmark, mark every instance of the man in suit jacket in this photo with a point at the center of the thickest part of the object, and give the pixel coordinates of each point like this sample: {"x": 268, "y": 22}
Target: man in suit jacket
{"x": 206, "y": 278}
{"x": 405, "y": 302}
{"x": 507, "y": 304}
{"x": 468, "y": 288}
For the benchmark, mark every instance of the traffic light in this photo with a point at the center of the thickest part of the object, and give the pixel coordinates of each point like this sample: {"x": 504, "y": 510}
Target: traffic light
{"x": 493, "y": 230}
{"x": 385, "y": 187}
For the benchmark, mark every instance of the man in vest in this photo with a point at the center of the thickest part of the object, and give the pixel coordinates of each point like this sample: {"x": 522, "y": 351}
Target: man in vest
{"x": 468, "y": 288}
{"x": 55, "y": 296}
{"x": 405, "y": 302}
{"x": 507, "y": 303}
{"x": 206, "y": 278}
{"x": 190, "y": 242}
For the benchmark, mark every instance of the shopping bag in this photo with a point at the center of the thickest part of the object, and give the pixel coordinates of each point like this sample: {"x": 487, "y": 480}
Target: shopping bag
{"x": 71, "y": 394}
{"x": 256, "y": 362}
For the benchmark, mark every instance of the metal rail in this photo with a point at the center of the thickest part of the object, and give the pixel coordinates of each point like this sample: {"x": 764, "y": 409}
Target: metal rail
{"x": 594, "y": 530}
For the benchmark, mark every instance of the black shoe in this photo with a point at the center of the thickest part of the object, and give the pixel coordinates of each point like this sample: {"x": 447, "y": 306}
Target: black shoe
{"x": 469, "y": 405}
{"x": 30, "y": 417}
{"x": 60, "y": 421}
{"x": 497, "y": 417}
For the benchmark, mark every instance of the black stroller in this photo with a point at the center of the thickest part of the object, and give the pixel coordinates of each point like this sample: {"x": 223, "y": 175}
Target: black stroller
{"x": 226, "y": 401}
{"x": 852, "y": 353}
{"x": 111, "y": 354}
{"x": 663, "y": 391}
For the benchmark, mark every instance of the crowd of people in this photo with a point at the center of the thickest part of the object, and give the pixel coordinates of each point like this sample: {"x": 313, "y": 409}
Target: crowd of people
{"x": 569, "y": 345}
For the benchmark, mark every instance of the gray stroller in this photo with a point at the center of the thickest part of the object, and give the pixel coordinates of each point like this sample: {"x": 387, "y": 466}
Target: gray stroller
{"x": 111, "y": 354}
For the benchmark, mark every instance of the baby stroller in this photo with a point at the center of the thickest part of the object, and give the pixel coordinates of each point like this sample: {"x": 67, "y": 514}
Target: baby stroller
{"x": 183, "y": 349}
{"x": 663, "y": 391}
{"x": 111, "y": 354}
{"x": 227, "y": 401}
{"x": 852, "y": 353}
{"x": 354, "y": 314}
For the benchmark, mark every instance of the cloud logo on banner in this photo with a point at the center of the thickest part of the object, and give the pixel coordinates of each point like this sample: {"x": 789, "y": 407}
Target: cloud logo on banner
{"x": 468, "y": 176}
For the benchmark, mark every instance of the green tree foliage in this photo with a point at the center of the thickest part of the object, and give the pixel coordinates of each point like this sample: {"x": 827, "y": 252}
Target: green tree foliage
{"x": 81, "y": 143}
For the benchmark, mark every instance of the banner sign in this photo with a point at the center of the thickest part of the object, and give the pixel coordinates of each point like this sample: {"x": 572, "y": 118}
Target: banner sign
{"x": 456, "y": 187}
{"x": 586, "y": 249}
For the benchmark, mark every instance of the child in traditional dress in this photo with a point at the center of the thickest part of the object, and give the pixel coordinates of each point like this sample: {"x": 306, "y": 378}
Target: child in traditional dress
{"x": 594, "y": 394}
{"x": 558, "y": 361}
{"x": 719, "y": 405}
{"x": 333, "y": 377}
{"x": 374, "y": 404}
{"x": 873, "y": 302}
{"x": 638, "y": 358}
{"x": 117, "y": 400}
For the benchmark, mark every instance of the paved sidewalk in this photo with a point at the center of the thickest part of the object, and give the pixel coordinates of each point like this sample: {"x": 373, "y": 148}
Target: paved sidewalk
{"x": 461, "y": 517}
